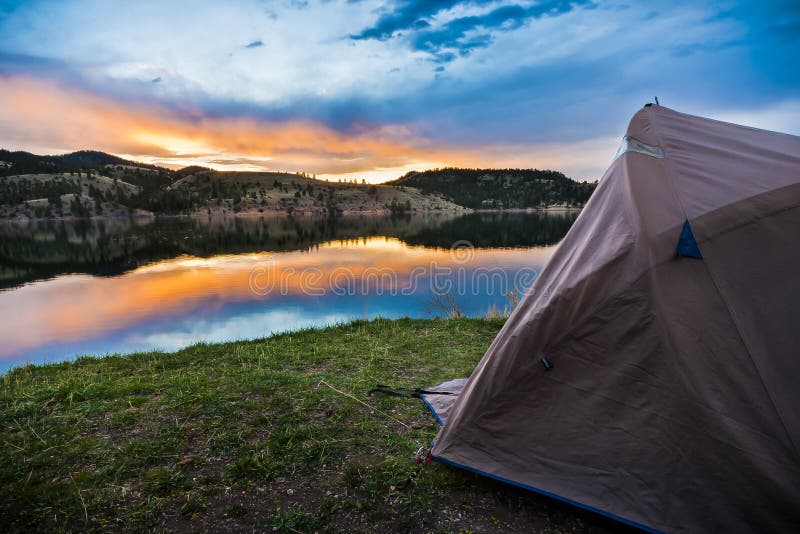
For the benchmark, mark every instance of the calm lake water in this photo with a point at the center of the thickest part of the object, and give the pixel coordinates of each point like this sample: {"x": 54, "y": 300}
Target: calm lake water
{"x": 116, "y": 286}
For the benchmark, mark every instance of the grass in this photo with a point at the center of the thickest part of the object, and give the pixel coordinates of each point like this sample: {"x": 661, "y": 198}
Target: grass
{"x": 253, "y": 435}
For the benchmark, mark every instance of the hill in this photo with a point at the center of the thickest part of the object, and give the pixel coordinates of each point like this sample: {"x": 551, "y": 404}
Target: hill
{"x": 90, "y": 183}
{"x": 19, "y": 162}
{"x": 81, "y": 194}
{"x": 289, "y": 193}
{"x": 86, "y": 184}
{"x": 501, "y": 188}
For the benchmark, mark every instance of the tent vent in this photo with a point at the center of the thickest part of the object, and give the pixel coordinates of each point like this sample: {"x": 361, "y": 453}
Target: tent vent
{"x": 631, "y": 144}
{"x": 687, "y": 245}
{"x": 546, "y": 363}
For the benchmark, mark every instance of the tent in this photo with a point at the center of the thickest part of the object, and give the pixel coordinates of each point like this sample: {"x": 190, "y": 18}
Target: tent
{"x": 652, "y": 372}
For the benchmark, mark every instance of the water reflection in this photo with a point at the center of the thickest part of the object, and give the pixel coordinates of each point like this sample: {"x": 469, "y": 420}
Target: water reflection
{"x": 116, "y": 286}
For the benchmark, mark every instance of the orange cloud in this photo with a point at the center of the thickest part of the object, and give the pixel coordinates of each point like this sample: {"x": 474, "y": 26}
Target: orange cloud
{"x": 45, "y": 117}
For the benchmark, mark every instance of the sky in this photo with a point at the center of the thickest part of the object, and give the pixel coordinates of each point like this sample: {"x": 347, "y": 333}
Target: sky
{"x": 373, "y": 89}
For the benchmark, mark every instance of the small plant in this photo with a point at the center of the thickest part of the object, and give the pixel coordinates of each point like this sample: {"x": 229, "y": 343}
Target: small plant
{"x": 256, "y": 466}
{"x": 192, "y": 507}
{"x": 293, "y": 519}
{"x": 164, "y": 480}
{"x": 352, "y": 477}
{"x": 494, "y": 312}
{"x": 513, "y": 299}
{"x": 446, "y": 302}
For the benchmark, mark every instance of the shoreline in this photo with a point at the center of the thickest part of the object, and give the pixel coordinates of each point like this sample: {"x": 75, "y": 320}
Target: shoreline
{"x": 142, "y": 215}
{"x": 98, "y": 358}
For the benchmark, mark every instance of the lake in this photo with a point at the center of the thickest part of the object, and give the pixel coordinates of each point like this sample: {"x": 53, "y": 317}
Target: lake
{"x": 69, "y": 288}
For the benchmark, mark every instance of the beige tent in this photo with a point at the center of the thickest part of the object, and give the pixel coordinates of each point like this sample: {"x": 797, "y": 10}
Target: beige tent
{"x": 652, "y": 373}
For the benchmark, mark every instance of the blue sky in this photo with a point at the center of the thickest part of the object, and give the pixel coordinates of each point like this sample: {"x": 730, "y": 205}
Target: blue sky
{"x": 372, "y": 89}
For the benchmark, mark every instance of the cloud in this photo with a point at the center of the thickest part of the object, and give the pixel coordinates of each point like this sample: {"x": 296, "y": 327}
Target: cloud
{"x": 254, "y": 44}
{"x": 446, "y": 41}
{"x": 159, "y": 134}
{"x": 406, "y": 14}
{"x": 453, "y": 36}
{"x": 155, "y": 134}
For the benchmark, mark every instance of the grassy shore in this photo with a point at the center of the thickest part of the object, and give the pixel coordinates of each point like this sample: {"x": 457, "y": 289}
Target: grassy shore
{"x": 254, "y": 435}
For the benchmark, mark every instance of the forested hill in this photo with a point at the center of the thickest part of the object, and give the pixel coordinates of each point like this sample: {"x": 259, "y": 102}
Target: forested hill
{"x": 501, "y": 188}
{"x": 90, "y": 183}
{"x": 19, "y": 162}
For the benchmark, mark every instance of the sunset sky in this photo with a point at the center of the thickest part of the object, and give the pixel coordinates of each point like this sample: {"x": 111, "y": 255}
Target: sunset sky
{"x": 370, "y": 89}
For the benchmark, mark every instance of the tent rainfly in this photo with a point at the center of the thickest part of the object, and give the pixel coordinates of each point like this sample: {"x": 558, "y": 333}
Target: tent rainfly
{"x": 652, "y": 371}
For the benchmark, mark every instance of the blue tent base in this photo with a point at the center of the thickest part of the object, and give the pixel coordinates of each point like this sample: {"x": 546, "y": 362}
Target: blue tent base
{"x": 432, "y": 409}
{"x": 527, "y": 487}
{"x": 548, "y": 494}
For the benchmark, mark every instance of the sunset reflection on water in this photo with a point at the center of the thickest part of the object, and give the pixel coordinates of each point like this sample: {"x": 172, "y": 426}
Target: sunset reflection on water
{"x": 172, "y": 303}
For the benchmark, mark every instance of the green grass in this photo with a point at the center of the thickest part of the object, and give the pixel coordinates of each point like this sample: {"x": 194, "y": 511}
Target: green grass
{"x": 252, "y": 435}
